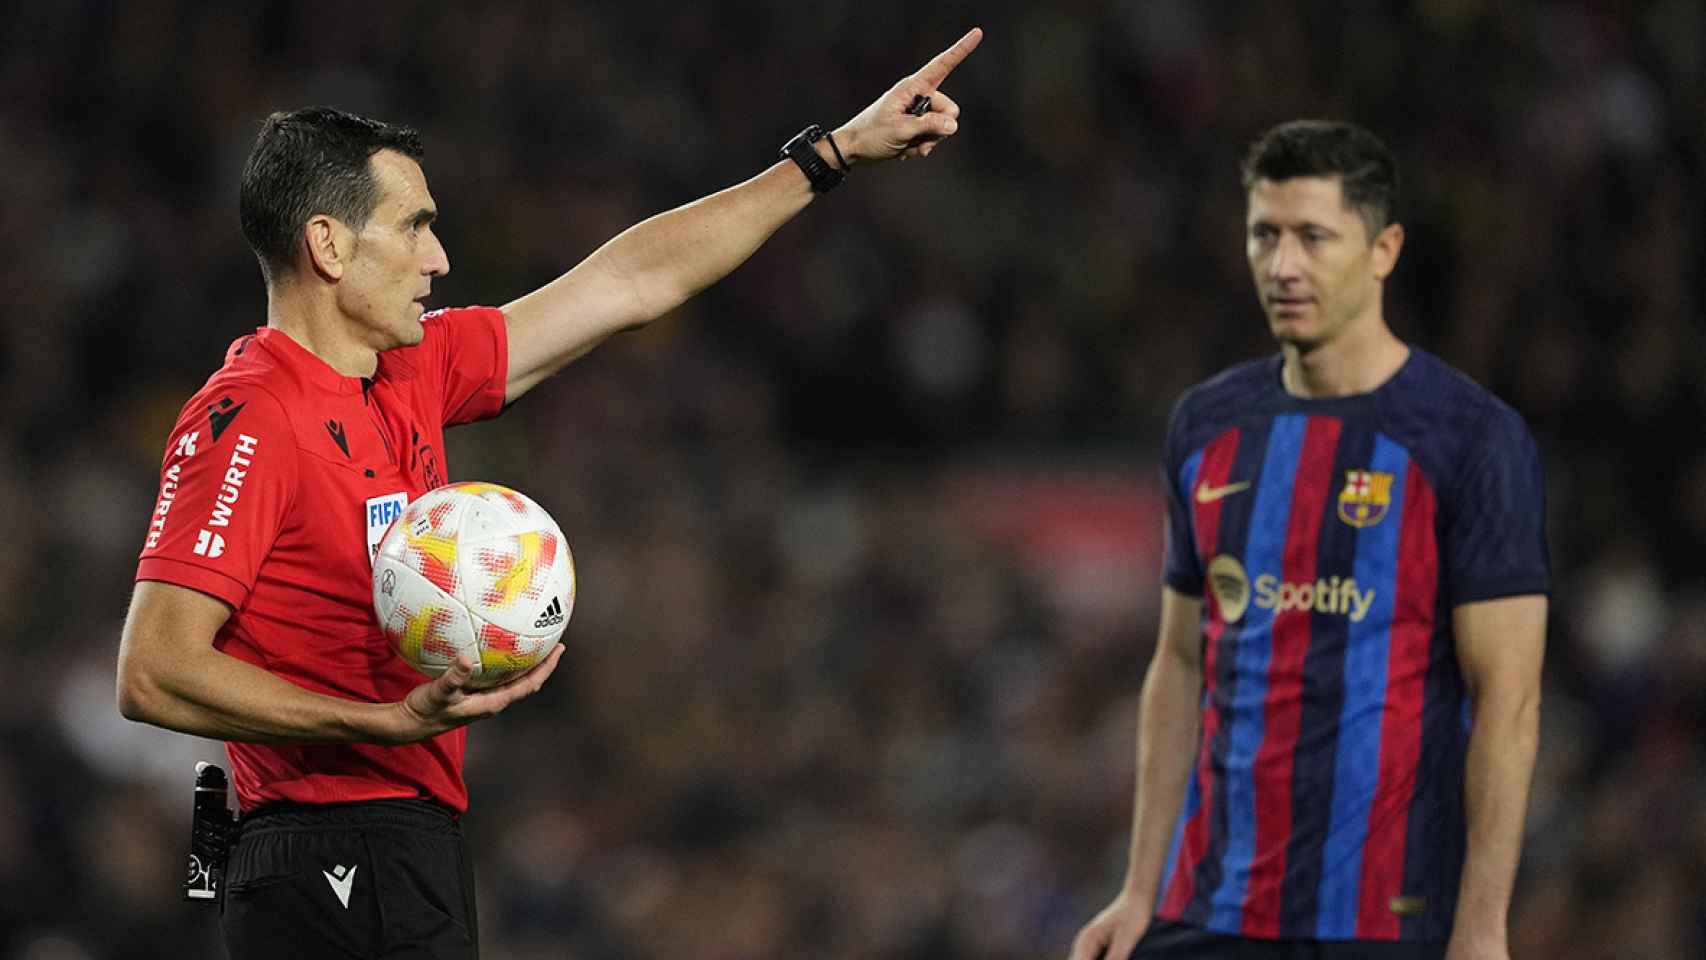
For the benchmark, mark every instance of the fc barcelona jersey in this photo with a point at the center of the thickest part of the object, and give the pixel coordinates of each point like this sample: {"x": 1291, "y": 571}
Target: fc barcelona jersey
{"x": 1330, "y": 540}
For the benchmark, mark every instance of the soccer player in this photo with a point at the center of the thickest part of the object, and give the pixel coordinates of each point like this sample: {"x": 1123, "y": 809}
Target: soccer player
{"x": 252, "y": 619}
{"x": 1338, "y": 727}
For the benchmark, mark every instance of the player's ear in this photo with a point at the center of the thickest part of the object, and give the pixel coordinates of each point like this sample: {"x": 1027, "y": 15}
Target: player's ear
{"x": 329, "y": 244}
{"x": 1387, "y": 244}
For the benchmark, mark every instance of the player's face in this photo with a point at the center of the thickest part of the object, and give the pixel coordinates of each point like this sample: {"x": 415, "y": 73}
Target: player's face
{"x": 1316, "y": 270}
{"x": 396, "y": 256}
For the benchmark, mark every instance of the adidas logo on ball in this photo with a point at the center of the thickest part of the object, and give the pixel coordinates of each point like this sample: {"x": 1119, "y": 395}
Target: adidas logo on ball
{"x": 551, "y": 615}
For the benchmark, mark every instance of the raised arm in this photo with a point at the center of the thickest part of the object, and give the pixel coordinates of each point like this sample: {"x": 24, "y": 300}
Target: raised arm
{"x": 170, "y": 675}
{"x": 659, "y": 263}
{"x": 1500, "y": 646}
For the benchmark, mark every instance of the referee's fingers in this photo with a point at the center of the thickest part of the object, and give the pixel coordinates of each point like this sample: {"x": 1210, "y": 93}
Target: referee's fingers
{"x": 932, "y": 124}
{"x": 454, "y": 677}
{"x": 537, "y": 674}
{"x": 526, "y": 683}
{"x": 942, "y": 103}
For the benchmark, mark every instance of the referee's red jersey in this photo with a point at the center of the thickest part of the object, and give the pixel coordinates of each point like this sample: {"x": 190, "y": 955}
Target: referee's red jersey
{"x": 279, "y": 478}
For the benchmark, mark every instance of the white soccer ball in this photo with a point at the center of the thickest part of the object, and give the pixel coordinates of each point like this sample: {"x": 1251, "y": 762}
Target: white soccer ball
{"x": 474, "y": 569}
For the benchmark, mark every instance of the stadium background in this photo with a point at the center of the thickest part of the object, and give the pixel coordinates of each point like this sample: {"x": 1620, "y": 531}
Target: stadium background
{"x": 868, "y": 532}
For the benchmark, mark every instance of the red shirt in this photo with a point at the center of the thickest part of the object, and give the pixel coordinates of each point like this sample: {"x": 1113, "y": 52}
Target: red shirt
{"x": 280, "y": 476}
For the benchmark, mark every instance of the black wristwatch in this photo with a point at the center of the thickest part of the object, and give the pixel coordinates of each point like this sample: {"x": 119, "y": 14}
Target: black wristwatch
{"x": 822, "y": 176}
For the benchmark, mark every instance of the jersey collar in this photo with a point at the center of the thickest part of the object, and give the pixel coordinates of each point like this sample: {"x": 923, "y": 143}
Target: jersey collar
{"x": 1277, "y": 390}
{"x": 300, "y": 359}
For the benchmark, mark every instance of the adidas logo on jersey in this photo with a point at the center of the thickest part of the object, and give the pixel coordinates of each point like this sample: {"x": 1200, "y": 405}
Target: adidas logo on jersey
{"x": 551, "y": 615}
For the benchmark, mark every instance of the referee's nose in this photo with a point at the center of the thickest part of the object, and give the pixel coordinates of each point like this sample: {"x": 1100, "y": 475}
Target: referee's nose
{"x": 436, "y": 262}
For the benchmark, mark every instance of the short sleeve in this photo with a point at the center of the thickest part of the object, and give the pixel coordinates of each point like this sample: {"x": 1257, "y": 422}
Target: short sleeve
{"x": 1181, "y": 567}
{"x": 1495, "y": 537}
{"x": 225, "y": 488}
{"x": 465, "y": 355}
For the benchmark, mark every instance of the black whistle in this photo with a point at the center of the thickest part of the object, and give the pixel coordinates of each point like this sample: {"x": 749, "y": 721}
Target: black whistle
{"x": 919, "y": 105}
{"x": 211, "y": 828}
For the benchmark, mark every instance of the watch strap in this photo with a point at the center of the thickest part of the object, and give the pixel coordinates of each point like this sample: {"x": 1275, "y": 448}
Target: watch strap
{"x": 822, "y": 176}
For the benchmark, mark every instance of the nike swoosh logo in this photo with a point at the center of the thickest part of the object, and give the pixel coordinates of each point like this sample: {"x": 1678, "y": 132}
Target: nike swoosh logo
{"x": 341, "y": 887}
{"x": 1208, "y": 494}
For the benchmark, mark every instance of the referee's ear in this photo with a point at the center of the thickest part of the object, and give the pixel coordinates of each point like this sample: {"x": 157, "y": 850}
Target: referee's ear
{"x": 329, "y": 245}
{"x": 1383, "y": 253}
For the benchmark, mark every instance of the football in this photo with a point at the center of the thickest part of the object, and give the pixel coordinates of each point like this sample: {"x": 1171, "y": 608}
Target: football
{"x": 475, "y": 569}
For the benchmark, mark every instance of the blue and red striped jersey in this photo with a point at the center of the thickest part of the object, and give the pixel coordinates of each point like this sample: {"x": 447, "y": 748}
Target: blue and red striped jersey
{"x": 1330, "y": 539}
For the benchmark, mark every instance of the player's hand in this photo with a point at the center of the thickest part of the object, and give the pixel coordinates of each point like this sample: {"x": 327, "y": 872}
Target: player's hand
{"x": 445, "y": 702}
{"x": 1114, "y": 932}
{"x": 885, "y": 130}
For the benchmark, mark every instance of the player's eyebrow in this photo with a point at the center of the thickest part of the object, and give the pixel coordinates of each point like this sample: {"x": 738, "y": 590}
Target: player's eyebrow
{"x": 422, "y": 217}
{"x": 1297, "y": 225}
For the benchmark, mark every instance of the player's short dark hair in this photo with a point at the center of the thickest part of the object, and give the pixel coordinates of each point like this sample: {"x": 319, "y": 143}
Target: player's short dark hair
{"x": 1321, "y": 148}
{"x": 308, "y": 162}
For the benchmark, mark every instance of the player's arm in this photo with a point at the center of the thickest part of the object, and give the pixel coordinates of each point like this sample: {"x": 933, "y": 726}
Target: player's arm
{"x": 659, "y": 263}
{"x": 170, "y": 675}
{"x": 1500, "y": 645}
{"x": 1169, "y": 717}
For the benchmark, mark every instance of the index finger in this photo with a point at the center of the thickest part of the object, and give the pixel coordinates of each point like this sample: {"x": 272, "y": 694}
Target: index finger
{"x": 944, "y": 63}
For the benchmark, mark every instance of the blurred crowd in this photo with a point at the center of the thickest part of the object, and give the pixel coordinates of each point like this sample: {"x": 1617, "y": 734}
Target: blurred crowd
{"x": 867, "y": 533}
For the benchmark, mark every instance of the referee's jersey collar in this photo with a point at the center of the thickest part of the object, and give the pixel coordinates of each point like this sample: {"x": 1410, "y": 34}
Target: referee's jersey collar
{"x": 299, "y": 358}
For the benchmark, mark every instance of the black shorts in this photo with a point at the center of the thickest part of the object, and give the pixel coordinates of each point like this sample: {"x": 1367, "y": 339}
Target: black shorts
{"x": 378, "y": 879}
{"x": 1168, "y": 939}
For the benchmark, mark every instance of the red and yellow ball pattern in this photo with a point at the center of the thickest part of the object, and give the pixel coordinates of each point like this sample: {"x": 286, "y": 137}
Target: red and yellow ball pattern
{"x": 475, "y": 570}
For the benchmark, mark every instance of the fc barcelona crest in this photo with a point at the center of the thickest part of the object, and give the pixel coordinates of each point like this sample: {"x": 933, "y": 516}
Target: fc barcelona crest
{"x": 1366, "y": 497}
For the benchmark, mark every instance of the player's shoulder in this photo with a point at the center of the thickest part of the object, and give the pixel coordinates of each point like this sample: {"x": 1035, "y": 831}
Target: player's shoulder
{"x": 1455, "y": 400}
{"x": 1225, "y": 396}
{"x": 1429, "y": 375}
{"x": 1235, "y": 387}
{"x": 1452, "y": 423}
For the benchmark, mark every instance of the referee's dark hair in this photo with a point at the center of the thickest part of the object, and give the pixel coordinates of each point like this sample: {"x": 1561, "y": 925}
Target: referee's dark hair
{"x": 307, "y": 162}
{"x": 1324, "y": 148}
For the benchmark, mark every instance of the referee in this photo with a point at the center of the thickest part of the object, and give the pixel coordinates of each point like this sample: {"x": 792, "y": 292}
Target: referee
{"x": 252, "y": 619}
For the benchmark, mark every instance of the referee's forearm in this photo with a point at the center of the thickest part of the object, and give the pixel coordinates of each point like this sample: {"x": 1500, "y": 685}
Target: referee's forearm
{"x": 1500, "y": 766}
{"x": 210, "y": 694}
{"x": 668, "y": 258}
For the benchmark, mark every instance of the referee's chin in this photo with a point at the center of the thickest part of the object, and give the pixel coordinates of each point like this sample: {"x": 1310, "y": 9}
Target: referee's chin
{"x": 410, "y": 331}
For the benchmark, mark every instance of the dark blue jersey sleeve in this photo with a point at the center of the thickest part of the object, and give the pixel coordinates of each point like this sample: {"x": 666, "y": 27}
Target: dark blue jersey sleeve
{"x": 1495, "y": 537}
{"x": 1181, "y": 569}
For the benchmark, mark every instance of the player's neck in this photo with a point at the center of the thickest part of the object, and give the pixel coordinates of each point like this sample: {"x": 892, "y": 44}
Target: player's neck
{"x": 320, "y": 328}
{"x": 1356, "y": 362}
